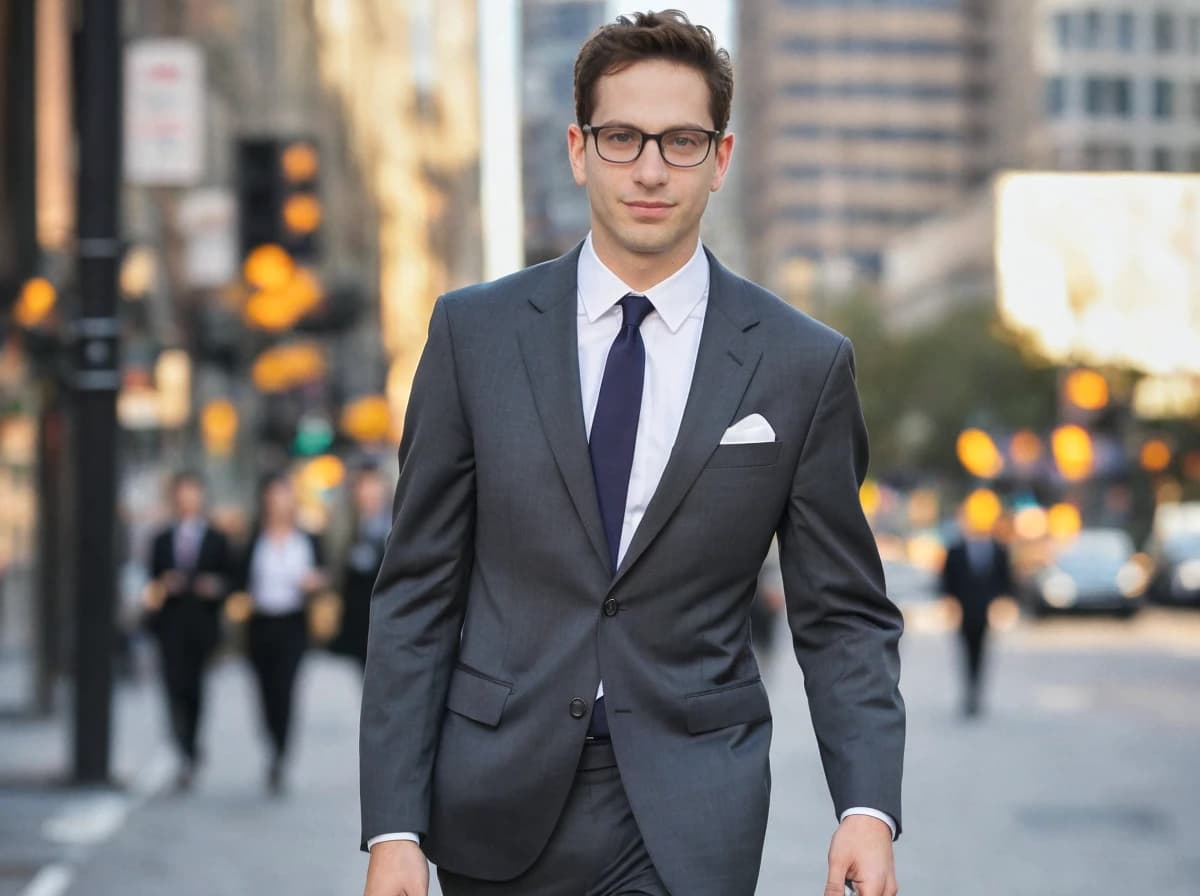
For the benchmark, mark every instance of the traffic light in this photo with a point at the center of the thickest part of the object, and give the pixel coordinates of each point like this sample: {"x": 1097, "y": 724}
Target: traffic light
{"x": 278, "y": 195}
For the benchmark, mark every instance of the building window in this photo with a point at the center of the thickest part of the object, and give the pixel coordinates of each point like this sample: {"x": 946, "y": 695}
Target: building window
{"x": 1164, "y": 98}
{"x": 1056, "y": 97}
{"x": 1126, "y": 32}
{"x": 1108, "y": 156}
{"x": 1093, "y": 29}
{"x": 1164, "y": 32}
{"x": 1194, "y": 162}
{"x": 1063, "y": 28}
{"x": 1105, "y": 97}
{"x": 1162, "y": 159}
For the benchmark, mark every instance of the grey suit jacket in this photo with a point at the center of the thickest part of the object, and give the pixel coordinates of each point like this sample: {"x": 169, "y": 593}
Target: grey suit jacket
{"x": 496, "y": 610}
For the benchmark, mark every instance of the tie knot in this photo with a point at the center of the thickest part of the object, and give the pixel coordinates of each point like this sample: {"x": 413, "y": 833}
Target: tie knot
{"x": 635, "y": 309}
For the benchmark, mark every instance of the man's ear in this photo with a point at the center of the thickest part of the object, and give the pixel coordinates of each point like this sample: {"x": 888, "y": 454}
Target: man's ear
{"x": 724, "y": 156}
{"x": 577, "y": 151}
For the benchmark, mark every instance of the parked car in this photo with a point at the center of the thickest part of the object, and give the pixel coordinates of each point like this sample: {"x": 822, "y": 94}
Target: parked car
{"x": 1177, "y": 573}
{"x": 1096, "y": 572}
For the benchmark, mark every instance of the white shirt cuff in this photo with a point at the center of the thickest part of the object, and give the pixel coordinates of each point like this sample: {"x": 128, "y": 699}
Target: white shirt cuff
{"x": 383, "y": 838}
{"x": 874, "y": 813}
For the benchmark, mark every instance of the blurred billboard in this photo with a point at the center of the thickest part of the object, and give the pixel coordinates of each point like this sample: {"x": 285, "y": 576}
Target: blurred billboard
{"x": 1102, "y": 268}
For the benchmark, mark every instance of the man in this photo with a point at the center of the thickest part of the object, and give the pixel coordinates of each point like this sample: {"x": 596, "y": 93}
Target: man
{"x": 190, "y": 572}
{"x": 561, "y": 697}
{"x": 976, "y": 572}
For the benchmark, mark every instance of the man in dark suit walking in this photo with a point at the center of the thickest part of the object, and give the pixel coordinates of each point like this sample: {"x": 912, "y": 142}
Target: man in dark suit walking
{"x": 976, "y": 572}
{"x": 190, "y": 569}
{"x": 561, "y": 697}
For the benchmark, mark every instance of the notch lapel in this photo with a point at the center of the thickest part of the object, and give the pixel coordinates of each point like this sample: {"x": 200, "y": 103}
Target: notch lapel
{"x": 549, "y": 346}
{"x": 726, "y": 362}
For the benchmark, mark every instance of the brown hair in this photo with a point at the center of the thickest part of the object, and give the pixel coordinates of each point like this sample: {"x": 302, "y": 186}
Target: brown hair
{"x": 668, "y": 35}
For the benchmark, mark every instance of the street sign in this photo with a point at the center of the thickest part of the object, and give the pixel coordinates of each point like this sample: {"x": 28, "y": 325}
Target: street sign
{"x": 164, "y": 113}
{"x": 208, "y": 222}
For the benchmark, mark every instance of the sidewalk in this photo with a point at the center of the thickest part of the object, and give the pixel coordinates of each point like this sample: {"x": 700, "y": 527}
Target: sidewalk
{"x": 45, "y": 822}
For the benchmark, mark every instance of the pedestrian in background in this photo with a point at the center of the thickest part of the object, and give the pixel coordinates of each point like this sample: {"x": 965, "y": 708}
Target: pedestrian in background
{"x": 191, "y": 569}
{"x": 976, "y": 572}
{"x": 280, "y": 569}
{"x": 370, "y": 523}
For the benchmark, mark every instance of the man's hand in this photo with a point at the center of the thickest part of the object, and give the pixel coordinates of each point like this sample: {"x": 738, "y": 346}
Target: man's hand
{"x": 861, "y": 853}
{"x": 397, "y": 868}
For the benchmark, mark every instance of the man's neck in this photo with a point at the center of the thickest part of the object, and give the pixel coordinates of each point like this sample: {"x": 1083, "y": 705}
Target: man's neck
{"x": 641, "y": 272}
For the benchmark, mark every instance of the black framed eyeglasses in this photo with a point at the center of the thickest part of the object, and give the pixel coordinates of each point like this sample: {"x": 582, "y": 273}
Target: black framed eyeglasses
{"x": 679, "y": 147}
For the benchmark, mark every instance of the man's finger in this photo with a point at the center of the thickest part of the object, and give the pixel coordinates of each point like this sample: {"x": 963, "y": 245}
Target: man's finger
{"x": 874, "y": 886}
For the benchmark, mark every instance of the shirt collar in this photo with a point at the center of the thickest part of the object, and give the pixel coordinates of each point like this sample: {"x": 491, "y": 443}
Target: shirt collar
{"x": 674, "y": 298}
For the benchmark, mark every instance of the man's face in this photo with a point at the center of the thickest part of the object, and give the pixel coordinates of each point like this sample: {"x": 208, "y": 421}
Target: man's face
{"x": 647, "y": 207}
{"x": 189, "y": 499}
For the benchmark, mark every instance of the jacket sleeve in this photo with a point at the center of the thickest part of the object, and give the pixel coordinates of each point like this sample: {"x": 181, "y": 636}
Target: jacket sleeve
{"x": 845, "y": 630}
{"x": 417, "y": 604}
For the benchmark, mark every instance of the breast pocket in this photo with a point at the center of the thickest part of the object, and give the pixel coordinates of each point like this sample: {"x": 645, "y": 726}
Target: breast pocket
{"x": 756, "y": 454}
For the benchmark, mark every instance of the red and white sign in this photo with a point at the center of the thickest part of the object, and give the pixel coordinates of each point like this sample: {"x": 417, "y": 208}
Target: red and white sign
{"x": 164, "y": 113}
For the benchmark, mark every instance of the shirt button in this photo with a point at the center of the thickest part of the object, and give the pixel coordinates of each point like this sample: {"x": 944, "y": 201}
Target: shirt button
{"x": 578, "y": 708}
{"x": 611, "y": 607}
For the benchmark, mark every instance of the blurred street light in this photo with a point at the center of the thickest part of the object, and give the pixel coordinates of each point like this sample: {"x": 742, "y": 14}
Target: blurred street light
{"x": 1064, "y": 521}
{"x": 982, "y": 509}
{"x": 369, "y": 419}
{"x": 35, "y": 302}
{"x": 1030, "y": 523}
{"x": 268, "y": 267}
{"x": 870, "y": 497}
{"x": 287, "y": 366}
{"x": 173, "y": 383}
{"x": 1025, "y": 448}
{"x": 219, "y": 426}
{"x": 1086, "y": 389}
{"x": 139, "y": 269}
{"x": 978, "y": 454}
{"x": 1155, "y": 456}
{"x": 1073, "y": 451}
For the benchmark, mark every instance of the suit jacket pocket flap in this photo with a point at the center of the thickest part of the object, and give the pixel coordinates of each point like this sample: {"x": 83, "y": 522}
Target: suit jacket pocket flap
{"x": 753, "y": 454}
{"x": 737, "y": 704}
{"x": 477, "y": 697}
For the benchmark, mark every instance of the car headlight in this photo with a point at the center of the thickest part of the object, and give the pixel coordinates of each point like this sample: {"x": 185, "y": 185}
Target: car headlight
{"x": 1059, "y": 589}
{"x": 1132, "y": 580}
{"x": 1188, "y": 575}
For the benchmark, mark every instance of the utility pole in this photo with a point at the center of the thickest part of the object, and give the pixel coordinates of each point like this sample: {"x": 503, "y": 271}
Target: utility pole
{"x": 96, "y": 378}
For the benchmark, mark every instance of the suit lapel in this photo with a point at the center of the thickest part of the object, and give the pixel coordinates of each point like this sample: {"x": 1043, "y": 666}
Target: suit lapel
{"x": 549, "y": 346}
{"x": 728, "y": 356}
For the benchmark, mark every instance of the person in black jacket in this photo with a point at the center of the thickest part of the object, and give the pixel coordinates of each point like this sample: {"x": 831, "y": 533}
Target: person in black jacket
{"x": 280, "y": 569}
{"x": 371, "y": 524}
{"x": 191, "y": 568}
{"x": 976, "y": 572}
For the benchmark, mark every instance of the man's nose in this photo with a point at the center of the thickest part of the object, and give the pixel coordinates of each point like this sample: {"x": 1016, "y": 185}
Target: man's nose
{"x": 650, "y": 169}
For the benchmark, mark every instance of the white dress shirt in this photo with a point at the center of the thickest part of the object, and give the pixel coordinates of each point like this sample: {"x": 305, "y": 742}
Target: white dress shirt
{"x": 671, "y": 335}
{"x": 278, "y": 569}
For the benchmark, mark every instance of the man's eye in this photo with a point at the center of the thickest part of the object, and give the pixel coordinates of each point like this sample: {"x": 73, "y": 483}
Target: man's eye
{"x": 685, "y": 141}
{"x": 619, "y": 137}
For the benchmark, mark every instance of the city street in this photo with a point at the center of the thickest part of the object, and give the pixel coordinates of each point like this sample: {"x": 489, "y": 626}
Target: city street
{"x": 1079, "y": 780}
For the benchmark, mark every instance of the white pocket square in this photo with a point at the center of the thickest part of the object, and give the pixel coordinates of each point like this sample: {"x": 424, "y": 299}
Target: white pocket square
{"x": 748, "y": 431}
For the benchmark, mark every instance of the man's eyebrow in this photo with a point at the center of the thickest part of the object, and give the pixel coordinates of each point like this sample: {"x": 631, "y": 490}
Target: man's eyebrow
{"x": 633, "y": 127}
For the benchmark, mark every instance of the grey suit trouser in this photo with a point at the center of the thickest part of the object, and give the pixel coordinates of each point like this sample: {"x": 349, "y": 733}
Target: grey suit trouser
{"x": 595, "y": 850}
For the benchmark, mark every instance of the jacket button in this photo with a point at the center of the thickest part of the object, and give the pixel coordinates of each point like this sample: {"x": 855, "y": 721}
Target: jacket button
{"x": 578, "y": 708}
{"x": 611, "y": 607}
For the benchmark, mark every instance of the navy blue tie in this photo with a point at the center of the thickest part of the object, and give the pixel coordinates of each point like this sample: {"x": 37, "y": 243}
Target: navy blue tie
{"x": 614, "y": 435}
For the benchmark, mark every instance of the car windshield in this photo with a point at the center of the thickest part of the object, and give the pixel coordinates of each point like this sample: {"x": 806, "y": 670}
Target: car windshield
{"x": 1185, "y": 546}
{"x": 1096, "y": 552}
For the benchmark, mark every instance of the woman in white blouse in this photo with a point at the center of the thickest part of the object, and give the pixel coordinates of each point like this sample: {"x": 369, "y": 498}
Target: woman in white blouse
{"x": 282, "y": 567}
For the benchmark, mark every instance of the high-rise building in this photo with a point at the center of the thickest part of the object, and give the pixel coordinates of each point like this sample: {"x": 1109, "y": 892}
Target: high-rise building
{"x": 1075, "y": 85}
{"x": 1097, "y": 85}
{"x": 861, "y": 119}
{"x": 556, "y": 209}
